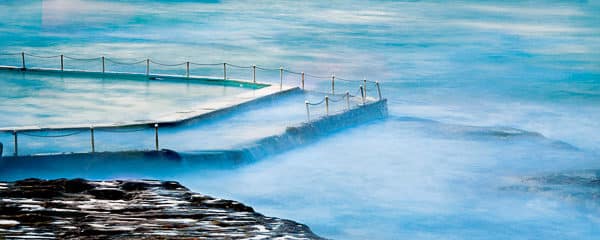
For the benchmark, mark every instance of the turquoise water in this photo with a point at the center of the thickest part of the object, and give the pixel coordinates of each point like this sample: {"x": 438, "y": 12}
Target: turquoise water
{"x": 42, "y": 99}
{"x": 482, "y": 95}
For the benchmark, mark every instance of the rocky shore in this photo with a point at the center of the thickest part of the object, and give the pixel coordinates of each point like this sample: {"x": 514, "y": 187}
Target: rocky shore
{"x": 145, "y": 209}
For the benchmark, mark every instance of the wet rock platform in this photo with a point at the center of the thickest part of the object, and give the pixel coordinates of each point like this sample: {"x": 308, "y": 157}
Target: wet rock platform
{"x": 141, "y": 209}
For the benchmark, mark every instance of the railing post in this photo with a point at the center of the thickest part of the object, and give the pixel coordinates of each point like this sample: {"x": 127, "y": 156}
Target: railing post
{"x": 16, "y": 143}
{"x": 307, "y": 111}
{"x": 147, "y": 67}
{"x": 92, "y": 139}
{"x": 103, "y": 68}
{"x": 187, "y": 69}
{"x": 254, "y": 73}
{"x": 224, "y": 71}
{"x": 302, "y": 74}
{"x": 333, "y": 83}
{"x": 378, "y": 89}
{"x": 362, "y": 94}
{"x": 327, "y": 105}
{"x": 62, "y": 63}
{"x": 348, "y": 100}
{"x": 156, "y": 136}
{"x": 365, "y": 86}
{"x": 23, "y": 60}
{"x": 280, "y": 77}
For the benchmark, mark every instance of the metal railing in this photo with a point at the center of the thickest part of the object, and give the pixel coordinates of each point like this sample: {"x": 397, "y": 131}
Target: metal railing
{"x": 185, "y": 65}
{"x": 330, "y": 97}
{"x": 91, "y": 131}
{"x": 347, "y": 96}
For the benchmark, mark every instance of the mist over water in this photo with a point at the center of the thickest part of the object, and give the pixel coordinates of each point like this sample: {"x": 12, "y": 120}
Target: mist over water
{"x": 482, "y": 95}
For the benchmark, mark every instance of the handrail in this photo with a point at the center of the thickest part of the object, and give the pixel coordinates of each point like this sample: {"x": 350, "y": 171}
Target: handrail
{"x": 148, "y": 60}
{"x": 166, "y": 64}
{"x": 327, "y": 99}
{"x": 52, "y": 136}
{"x": 124, "y": 63}
{"x": 82, "y": 59}
{"x": 92, "y": 130}
{"x": 238, "y": 66}
{"x": 39, "y": 56}
{"x": 9, "y": 54}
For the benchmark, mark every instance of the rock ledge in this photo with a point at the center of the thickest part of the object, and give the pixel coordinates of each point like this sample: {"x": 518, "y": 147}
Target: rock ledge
{"x": 145, "y": 209}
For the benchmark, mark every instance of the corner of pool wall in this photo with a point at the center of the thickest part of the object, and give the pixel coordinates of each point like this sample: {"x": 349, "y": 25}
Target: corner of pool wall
{"x": 312, "y": 131}
{"x": 252, "y": 104}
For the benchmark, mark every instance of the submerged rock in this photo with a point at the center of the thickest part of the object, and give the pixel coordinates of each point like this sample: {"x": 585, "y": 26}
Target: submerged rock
{"x": 582, "y": 186}
{"x": 147, "y": 209}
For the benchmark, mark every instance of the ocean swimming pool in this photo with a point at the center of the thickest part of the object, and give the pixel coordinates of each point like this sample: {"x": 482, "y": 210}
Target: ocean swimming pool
{"x": 482, "y": 96}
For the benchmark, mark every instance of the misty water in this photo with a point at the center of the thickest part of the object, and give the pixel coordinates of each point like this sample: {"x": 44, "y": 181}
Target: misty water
{"x": 482, "y": 97}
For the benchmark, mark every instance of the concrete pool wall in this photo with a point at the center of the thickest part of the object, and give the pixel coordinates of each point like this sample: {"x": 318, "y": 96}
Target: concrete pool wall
{"x": 172, "y": 160}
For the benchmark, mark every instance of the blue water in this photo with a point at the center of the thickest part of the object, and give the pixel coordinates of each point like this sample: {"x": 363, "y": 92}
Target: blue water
{"x": 481, "y": 96}
{"x": 42, "y": 99}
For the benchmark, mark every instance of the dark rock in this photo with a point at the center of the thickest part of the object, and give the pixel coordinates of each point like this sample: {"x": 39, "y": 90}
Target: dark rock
{"x": 32, "y": 218}
{"x": 229, "y": 205}
{"x": 108, "y": 194}
{"x": 9, "y": 209}
{"x": 578, "y": 185}
{"x": 146, "y": 210}
{"x": 77, "y": 185}
{"x": 135, "y": 186}
{"x": 31, "y": 193}
{"x": 29, "y": 182}
{"x": 88, "y": 230}
{"x": 171, "y": 185}
{"x": 198, "y": 199}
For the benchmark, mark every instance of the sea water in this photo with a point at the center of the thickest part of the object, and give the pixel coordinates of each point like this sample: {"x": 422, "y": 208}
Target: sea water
{"x": 483, "y": 98}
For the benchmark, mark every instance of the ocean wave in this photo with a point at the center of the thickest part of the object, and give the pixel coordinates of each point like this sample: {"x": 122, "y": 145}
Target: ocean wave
{"x": 497, "y": 133}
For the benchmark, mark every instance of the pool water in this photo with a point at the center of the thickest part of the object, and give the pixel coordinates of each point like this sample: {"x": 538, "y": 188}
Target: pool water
{"x": 482, "y": 96}
{"x": 50, "y": 99}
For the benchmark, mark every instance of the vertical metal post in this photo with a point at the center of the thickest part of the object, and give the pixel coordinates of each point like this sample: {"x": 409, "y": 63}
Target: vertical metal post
{"x": 307, "y": 111}
{"x": 62, "y": 63}
{"x": 156, "y": 135}
{"x": 23, "y": 60}
{"x": 327, "y": 105}
{"x": 224, "y": 71}
{"x": 348, "y": 100}
{"x": 103, "y": 68}
{"x": 148, "y": 67}
{"x": 280, "y": 77}
{"x": 16, "y": 143}
{"x": 254, "y": 73}
{"x": 302, "y": 74}
{"x": 378, "y": 89}
{"x": 362, "y": 94}
{"x": 333, "y": 84}
{"x": 187, "y": 69}
{"x": 365, "y": 87}
{"x": 92, "y": 139}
